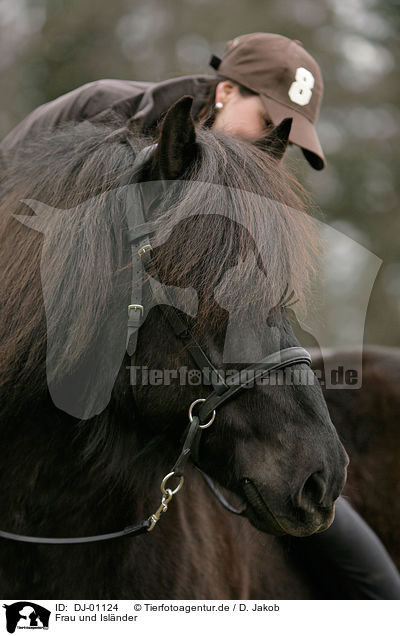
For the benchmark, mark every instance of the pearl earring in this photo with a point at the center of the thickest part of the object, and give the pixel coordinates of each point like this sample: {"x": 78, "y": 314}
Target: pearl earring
{"x": 219, "y": 105}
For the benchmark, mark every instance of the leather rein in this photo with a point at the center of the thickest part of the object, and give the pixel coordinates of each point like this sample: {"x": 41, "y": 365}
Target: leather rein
{"x": 139, "y": 236}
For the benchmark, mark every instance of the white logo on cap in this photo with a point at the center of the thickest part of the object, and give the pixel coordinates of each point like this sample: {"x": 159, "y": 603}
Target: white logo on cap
{"x": 300, "y": 91}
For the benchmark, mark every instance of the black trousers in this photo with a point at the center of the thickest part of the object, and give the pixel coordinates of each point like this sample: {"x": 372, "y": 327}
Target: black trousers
{"x": 349, "y": 559}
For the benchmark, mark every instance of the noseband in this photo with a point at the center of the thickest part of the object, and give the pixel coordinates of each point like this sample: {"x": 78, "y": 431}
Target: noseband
{"x": 140, "y": 232}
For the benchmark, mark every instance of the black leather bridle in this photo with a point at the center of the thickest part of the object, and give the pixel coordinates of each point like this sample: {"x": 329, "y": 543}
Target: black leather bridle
{"x": 140, "y": 232}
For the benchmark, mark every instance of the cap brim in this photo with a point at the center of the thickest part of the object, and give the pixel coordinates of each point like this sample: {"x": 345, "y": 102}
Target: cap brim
{"x": 302, "y": 134}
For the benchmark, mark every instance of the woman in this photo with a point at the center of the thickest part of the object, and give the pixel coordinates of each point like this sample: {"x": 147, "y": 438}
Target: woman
{"x": 262, "y": 79}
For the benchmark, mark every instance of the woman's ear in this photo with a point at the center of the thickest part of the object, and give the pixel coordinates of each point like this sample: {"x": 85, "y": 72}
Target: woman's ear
{"x": 276, "y": 142}
{"x": 177, "y": 143}
{"x": 223, "y": 91}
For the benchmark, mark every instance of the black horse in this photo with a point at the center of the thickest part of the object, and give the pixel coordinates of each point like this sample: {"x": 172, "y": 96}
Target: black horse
{"x": 96, "y": 466}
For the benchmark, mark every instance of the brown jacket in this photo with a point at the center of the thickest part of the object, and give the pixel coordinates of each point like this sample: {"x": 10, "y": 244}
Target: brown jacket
{"x": 141, "y": 102}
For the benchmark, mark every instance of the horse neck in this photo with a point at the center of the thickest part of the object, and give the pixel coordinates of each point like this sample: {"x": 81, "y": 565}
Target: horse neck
{"x": 92, "y": 473}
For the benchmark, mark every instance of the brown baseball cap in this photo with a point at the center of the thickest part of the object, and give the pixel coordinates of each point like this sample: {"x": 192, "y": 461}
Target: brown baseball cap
{"x": 287, "y": 79}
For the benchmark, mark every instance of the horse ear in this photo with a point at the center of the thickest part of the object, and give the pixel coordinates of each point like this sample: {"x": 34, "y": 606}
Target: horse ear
{"x": 276, "y": 142}
{"x": 177, "y": 144}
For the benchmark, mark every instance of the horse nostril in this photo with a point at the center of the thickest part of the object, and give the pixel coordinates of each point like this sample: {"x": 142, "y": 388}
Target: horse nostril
{"x": 313, "y": 490}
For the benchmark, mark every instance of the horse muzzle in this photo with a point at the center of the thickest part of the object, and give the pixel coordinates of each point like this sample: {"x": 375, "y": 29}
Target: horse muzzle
{"x": 296, "y": 521}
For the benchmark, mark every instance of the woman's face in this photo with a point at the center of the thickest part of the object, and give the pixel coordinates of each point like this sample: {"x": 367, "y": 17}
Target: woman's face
{"x": 241, "y": 116}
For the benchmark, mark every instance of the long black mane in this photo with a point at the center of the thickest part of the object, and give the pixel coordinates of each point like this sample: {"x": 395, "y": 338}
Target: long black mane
{"x": 78, "y": 169}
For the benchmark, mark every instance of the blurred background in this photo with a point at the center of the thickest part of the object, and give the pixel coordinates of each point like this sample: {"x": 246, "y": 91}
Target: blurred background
{"x": 48, "y": 47}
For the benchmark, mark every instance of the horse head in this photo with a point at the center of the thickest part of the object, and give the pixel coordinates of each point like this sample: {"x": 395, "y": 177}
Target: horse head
{"x": 235, "y": 240}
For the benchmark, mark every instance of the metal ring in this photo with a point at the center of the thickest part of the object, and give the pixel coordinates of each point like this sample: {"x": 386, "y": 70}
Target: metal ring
{"x": 207, "y": 424}
{"x": 167, "y": 491}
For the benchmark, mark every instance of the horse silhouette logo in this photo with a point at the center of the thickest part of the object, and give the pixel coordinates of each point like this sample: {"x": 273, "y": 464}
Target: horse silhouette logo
{"x": 26, "y": 615}
{"x": 81, "y": 380}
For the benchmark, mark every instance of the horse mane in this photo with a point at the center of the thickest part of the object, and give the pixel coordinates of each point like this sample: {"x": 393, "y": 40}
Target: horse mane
{"x": 77, "y": 168}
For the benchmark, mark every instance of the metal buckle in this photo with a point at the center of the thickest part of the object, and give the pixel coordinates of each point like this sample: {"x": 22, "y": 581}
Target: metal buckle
{"x": 136, "y": 308}
{"x": 144, "y": 249}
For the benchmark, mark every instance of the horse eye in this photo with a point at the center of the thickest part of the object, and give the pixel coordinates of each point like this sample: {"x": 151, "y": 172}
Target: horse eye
{"x": 286, "y": 301}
